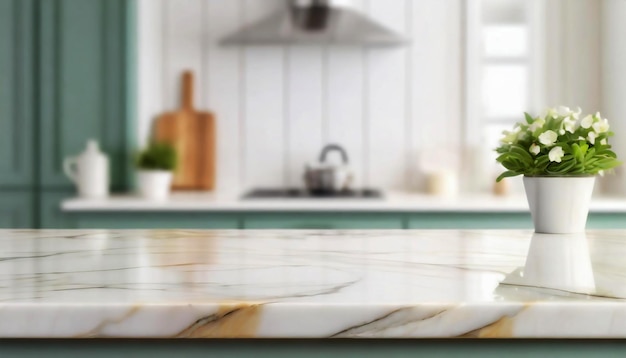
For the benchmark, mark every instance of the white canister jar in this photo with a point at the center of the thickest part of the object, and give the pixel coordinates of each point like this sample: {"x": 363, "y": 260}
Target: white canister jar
{"x": 154, "y": 184}
{"x": 442, "y": 183}
{"x": 89, "y": 171}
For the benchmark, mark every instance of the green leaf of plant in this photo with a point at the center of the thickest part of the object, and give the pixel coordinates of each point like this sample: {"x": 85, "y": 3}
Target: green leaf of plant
{"x": 529, "y": 118}
{"x": 578, "y": 154}
{"x": 522, "y": 154}
{"x": 560, "y": 168}
{"x": 508, "y": 173}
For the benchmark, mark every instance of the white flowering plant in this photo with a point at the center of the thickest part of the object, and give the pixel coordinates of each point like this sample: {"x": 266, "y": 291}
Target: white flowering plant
{"x": 559, "y": 143}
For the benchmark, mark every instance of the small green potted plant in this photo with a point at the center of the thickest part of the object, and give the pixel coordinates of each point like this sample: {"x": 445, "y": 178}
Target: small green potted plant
{"x": 155, "y": 165}
{"x": 559, "y": 154}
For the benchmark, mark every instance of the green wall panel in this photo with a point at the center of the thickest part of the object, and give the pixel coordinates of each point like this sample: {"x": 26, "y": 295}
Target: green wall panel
{"x": 16, "y": 209}
{"x": 323, "y": 221}
{"x": 16, "y": 93}
{"x": 82, "y": 84}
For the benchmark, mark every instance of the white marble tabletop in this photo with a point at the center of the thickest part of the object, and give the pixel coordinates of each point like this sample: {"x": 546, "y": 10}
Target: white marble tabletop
{"x": 311, "y": 284}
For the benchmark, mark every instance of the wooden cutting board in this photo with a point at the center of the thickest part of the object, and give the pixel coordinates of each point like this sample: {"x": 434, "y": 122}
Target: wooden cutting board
{"x": 192, "y": 133}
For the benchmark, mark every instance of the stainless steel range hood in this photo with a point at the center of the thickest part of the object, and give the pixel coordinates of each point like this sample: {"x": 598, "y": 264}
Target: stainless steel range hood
{"x": 315, "y": 22}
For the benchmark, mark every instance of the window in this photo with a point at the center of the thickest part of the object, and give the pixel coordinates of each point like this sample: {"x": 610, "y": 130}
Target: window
{"x": 501, "y": 70}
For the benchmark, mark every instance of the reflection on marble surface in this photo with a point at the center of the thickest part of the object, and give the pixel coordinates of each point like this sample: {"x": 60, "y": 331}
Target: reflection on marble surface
{"x": 557, "y": 261}
{"x": 310, "y": 284}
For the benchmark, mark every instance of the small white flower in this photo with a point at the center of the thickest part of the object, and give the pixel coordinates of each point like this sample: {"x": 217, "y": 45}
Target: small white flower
{"x": 603, "y": 142}
{"x": 569, "y": 125}
{"x": 592, "y": 137}
{"x": 601, "y": 126}
{"x": 534, "y": 149}
{"x": 548, "y": 138}
{"x": 601, "y": 172}
{"x": 538, "y": 123}
{"x": 576, "y": 114}
{"x": 564, "y": 111}
{"x": 556, "y": 154}
{"x": 597, "y": 116}
{"x": 551, "y": 112}
{"x": 587, "y": 122}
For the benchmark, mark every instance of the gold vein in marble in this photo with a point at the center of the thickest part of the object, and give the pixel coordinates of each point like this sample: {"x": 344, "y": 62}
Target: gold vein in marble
{"x": 96, "y": 331}
{"x": 230, "y": 321}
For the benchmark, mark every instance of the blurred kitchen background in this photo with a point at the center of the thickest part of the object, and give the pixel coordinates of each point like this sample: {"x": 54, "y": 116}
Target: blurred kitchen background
{"x": 416, "y": 94}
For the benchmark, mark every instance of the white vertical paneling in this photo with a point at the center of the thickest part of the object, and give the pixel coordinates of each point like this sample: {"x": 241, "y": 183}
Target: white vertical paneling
{"x": 387, "y": 101}
{"x": 437, "y": 85}
{"x": 455, "y": 123}
{"x": 264, "y": 106}
{"x": 344, "y": 98}
{"x": 276, "y": 107}
{"x": 306, "y": 109}
{"x": 583, "y": 72}
{"x": 614, "y": 84}
{"x": 345, "y": 105}
{"x": 222, "y": 80}
{"x": 573, "y": 79}
{"x": 183, "y": 47}
{"x": 149, "y": 66}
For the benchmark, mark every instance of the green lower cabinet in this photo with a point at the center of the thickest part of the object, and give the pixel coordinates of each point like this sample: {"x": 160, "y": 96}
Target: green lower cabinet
{"x": 16, "y": 209}
{"x": 155, "y": 221}
{"x": 470, "y": 221}
{"x": 502, "y": 221}
{"x": 323, "y": 221}
{"x": 606, "y": 221}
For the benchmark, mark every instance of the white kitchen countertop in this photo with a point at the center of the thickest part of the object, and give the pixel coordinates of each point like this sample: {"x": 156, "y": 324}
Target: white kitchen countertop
{"x": 392, "y": 202}
{"x": 312, "y": 284}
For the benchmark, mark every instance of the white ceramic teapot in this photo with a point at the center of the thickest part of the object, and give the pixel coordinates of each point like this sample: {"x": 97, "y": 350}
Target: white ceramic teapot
{"x": 89, "y": 171}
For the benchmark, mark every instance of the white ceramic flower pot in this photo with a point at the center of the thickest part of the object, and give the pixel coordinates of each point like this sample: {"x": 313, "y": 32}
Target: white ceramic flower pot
{"x": 559, "y": 205}
{"x": 154, "y": 184}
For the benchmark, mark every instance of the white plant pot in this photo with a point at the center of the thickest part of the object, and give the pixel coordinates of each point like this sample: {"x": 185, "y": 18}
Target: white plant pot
{"x": 559, "y": 205}
{"x": 154, "y": 184}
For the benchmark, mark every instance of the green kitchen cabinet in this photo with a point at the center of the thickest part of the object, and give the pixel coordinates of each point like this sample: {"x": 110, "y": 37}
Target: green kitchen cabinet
{"x": 50, "y": 213}
{"x": 53, "y": 217}
{"x": 151, "y": 221}
{"x": 342, "y": 220}
{"x": 498, "y": 220}
{"x": 473, "y": 220}
{"x": 64, "y": 78}
{"x": 606, "y": 221}
{"x": 82, "y": 85}
{"x": 16, "y": 209}
{"x": 16, "y": 94}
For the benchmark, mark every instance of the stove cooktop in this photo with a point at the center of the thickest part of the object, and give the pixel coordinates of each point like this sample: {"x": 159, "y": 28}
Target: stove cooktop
{"x": 294, "y": 193}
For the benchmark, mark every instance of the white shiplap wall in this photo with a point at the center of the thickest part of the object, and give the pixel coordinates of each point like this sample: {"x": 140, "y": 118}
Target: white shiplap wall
{"x": 277, "y": 106}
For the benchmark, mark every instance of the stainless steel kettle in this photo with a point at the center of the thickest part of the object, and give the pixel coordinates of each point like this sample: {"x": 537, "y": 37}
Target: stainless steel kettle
{"x": 324, "y": 178}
